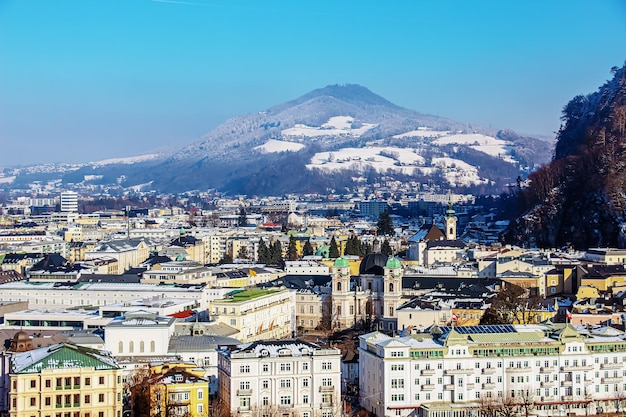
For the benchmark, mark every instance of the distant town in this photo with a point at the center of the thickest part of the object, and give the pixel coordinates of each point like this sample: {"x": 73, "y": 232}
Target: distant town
{"x": 385, "y": 302}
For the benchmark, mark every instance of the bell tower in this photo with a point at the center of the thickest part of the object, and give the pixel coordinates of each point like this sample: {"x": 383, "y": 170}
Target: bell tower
{"x": 450, "y": 221}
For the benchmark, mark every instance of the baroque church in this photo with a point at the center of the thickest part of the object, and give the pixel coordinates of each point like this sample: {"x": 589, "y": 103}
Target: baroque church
{"x": 370, "y": 298}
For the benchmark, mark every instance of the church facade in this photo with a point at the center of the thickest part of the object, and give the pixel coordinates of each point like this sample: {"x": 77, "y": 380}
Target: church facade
{"x": 370, "y": 298}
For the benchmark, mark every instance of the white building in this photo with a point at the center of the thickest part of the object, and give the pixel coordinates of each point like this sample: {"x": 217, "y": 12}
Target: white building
{"x": 286, "y": 378}
{"x": 258, "y": 314}
{"x": 306, "y": 268}
{"x": 51, "y": 295}
{"x": 456, "y": 371}
{"x": 69, "y": 202}
{"x": 139, "y": 333}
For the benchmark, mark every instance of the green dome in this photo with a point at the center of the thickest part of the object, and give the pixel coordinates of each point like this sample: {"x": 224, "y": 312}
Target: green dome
{"x": 341, "y": 262}
{"x": 393, "y": 263}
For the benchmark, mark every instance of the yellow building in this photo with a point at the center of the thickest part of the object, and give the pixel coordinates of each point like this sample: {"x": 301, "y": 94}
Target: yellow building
{"x": 178, "y": 391}
{"x": 63, "y": 380}
{"x": 603, "y": 277}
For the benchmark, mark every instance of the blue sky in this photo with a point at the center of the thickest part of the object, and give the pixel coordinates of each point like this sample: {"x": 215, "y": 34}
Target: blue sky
{"x": 84, "y": 80}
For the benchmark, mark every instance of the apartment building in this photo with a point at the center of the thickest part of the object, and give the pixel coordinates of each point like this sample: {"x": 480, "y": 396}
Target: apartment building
{"x": 286, "y": 378}
{"x": 63, "y": 380}
{"x": 455, "y": 371}
{"x": 258, "y": 314}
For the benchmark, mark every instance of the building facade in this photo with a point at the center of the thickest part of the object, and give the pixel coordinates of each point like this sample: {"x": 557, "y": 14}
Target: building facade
{"x": 458, "y": 371}
{"x": 285, "y": 378}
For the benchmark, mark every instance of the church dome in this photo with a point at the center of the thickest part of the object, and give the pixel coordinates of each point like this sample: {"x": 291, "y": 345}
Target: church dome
{"x": 341, "y": 262}
{"x": 373, "y": 264}
{"x": 393, "y": 263}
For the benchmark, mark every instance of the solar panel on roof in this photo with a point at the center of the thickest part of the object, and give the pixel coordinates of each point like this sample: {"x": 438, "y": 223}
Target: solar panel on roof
{"x": 481, "y": 329}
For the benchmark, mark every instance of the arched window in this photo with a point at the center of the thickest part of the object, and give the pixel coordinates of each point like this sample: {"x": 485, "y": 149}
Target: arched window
{"x": 391, "y": 287}
{"x": 120, "y": 347}
{"x": 141, "y": 346}
{"x": 131, "y": 347}
{"x": 369, "y": 286}
{"x": 339, "y": 286}
{"x": 152, "y": 346}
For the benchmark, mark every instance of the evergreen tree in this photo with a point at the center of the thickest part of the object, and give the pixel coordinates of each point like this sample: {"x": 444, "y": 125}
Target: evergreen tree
{"x": 385, "y": 249}
{"x": 333, "y": 250}
{"x": 227, "y": 259}
{"x": 366, "y": 249}
{"x": 352, "y": 247}
{"x": 307, "y": 250}
{"x": 292, "y": 250}
{"x": 263, "y": 253}
{"x": 385, "y": 224}
{"x": 243, "y": 253}
{"x": 242, "y": 220}
{"x": 276, "y": 253}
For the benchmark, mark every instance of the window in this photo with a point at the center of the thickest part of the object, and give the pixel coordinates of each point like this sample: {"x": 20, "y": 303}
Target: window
{"x": 265, "y": 384}
{"x": 244, "y": 385}
{"x": 48, "y": 383}
{"x": 100, "y": 398}
{"x": 33, "y": 401}
{"x": 48, "y": 401}
{"x": 101, "y": 380}
{"x": 397, "y": 397}
{"x": 120, "y": 347}
{"x": 87, "y": 399}
{"x": 266, "y": 367}
{"x": 87, "y": 381}
{"x": 305, "y": 399}
{"x": 327, "y": 366}
{"x": 397, "y": 367}
{"x": 131, "y": 346}
{"x": 397, "y": 383}
{"x": 285, "y": 400}
{"x": 33, "y": 383}
{"x": 327, "y": 382}
{"x": 244, "y": 402}
{"x": 266, "y": 401}
{"x": 152, "y": 346}
{"x": 284, "y": 367}
{"x": 285, "y": 383}
{"x": 244, "y": 369}
{"x": 141, "y": 346}
{"x": 305, "y": 366}
{"x": 305, "y": 382}
{"x": 327, "y": 398}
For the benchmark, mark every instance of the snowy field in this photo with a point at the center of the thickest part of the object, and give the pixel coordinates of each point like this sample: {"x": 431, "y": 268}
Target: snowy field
{"x": 482, "y": 143}
{"x": 127, "y": 160}
{"x": 276, "y": 146}
{"x": 335, "y": 126}
{"x": 421, "y": 133}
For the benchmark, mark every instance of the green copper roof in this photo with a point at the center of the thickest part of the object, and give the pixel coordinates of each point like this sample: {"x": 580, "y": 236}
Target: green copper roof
{"x": 60, "y": 356}
{"x": 393, "y": 263}
{"x": 341, "y": 262}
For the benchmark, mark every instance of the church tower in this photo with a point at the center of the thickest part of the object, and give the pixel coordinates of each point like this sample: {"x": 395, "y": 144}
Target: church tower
{"x": 342, "y": 295}
{"x": 450, "y": 222}
{"x": 392, "y": 293}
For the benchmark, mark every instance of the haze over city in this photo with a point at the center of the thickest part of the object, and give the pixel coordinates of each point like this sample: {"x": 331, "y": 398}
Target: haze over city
{"x": 85, "y": 81}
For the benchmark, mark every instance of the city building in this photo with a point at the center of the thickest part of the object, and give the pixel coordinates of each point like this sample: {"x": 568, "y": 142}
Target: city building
{"x": 372, "y": 296}
{"x": 69, "y": 202}
{"x": 62, "y": 380}
{"x": 458, "y": 371}
{"x": 258, "y": 314}
{"x": 286, "y": 378}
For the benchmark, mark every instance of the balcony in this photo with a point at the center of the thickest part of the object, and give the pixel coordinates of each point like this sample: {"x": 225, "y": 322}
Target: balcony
{"x": 612, "y": 365}
{"x": 612, "y": 380}
{"x": 573, "y": 368}
{"x": 244, "y": 392}
{"x": 470, "y": 386}
{"x": 488, "y": 371}
{"x": 448, "y": 387}
{"x": 489, "y": 385}
{"x": 566, "y": 383}
{"x": 428, "y": 387}
{"x": 324, "y": 405}
{"x": 547, "y": 369}
{"x": 462, "y": 371}
{"x": 519, "y": 370}
{"x": 327, "y": 388}
{"x": 550, "y": 398}
{"x": 244, "y": 408}
{"x": 427, "y": 372}
{"x": 547, "y": 384}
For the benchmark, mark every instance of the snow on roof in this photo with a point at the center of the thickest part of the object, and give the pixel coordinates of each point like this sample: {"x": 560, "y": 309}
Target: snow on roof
{"x": 276, "y": 146}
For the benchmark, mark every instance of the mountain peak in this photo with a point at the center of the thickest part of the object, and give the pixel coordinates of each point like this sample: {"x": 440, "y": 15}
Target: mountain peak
{"x": 350, "y": 93}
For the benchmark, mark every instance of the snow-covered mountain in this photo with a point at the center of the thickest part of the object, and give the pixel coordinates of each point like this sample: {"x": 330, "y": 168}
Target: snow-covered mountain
{"x": 334, "y": 137}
